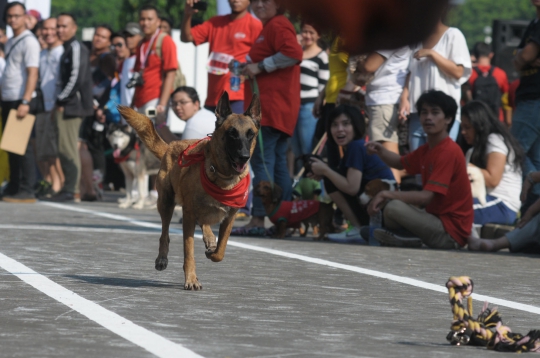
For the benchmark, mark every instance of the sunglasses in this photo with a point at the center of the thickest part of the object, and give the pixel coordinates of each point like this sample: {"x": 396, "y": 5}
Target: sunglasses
{"x": 119, "y": 45}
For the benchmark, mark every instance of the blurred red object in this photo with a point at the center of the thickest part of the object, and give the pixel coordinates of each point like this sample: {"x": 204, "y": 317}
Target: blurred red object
{"x": 368, "y": 25}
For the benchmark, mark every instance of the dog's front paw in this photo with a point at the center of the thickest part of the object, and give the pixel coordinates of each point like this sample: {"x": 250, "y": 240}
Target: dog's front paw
{"x": 194, "y": 285}
{"x": 124, "y": 205}
{"x": 210, "y": 251}
{"x": 161, "y": 263}
{"x": 139, "y": 205}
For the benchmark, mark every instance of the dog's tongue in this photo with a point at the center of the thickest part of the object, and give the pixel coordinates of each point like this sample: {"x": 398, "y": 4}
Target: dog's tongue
{"x": 116, "y": 153}
{"x": 240, "y": 167}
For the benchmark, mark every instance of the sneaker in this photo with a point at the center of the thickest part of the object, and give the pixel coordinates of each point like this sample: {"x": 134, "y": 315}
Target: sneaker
{"x": 350, "y": 236}
{"x": 43, "y": 188}
{"x": 61, "y": 197}
{"x": 388, "y": 238}
{"x": 20, "y": 197}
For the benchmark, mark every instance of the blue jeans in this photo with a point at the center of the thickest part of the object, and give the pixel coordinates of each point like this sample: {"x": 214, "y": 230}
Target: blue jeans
{"x": 417, "y": 137}
{"x": 302, "y": 139}
{"x": 275, "y": 144}
{"x": 526, "y": 129}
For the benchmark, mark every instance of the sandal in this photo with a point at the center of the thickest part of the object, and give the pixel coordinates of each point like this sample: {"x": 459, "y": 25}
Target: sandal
{"x": 271, "y": 231}
{"x": 249, "y": 231}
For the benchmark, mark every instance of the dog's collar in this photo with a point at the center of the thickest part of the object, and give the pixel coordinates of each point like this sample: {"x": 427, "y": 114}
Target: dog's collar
{"x": 275, "y": 210}
{"x": 125, "y": 157}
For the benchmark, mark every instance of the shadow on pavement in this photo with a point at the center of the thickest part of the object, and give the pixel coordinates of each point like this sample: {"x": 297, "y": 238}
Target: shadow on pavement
{"x": 123, "y": 282}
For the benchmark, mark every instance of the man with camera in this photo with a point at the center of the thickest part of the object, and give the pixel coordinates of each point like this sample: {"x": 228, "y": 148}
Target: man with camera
{"x": 155, "y": 69}
{"x": 133, "y": 35}
{"x": 230, "y": 38}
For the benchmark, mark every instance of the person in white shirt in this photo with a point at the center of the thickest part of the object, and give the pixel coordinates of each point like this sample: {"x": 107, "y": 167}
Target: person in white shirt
{"x": 500, "y": 157}
{"x": 46, "y": 129}
{"x": 133, "y": 35}
{"x": 390, "y": 68}
{"x": 200, "y": 122}
{"x": 18, "y": 86}
{"x": 441, "y": 62}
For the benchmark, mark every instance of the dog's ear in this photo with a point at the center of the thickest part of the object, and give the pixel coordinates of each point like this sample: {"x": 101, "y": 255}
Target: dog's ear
{"x": 223, "y": 109}
{"x": 254, "y": 110}
{"x": 277, "y": 193}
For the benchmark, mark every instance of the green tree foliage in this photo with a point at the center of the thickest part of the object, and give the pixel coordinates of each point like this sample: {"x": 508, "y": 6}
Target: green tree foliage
{"x": 473, "y": 16}
{"x": 90, "y": 13}
{"x": 116, "y": 13}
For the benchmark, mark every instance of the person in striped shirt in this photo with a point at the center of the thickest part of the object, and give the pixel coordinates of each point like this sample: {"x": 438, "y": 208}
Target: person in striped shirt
{"x": 313, "y": 77}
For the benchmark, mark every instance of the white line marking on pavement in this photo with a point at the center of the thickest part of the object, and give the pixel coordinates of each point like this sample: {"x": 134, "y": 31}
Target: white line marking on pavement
{"x": 115, "y": 323}
{"x": 368, "y": 272}
{"x": 77, "y": 229}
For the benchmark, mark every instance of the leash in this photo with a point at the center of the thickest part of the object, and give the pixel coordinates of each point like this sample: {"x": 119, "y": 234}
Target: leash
{"x": 255, "y": 90}
{"x": 487, "y": 329}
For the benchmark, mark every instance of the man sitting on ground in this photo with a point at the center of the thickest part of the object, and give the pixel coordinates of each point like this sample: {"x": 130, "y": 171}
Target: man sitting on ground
{"x": 447, "y": 220}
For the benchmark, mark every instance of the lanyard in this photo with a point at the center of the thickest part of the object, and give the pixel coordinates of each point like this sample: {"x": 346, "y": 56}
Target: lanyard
{"x": 144, "y": 56}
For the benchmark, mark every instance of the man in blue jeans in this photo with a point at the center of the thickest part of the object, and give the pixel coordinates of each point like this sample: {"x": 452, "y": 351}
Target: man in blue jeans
{"x": 526, "y": 120}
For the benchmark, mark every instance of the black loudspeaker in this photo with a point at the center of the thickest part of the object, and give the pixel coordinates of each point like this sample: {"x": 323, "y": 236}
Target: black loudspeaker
{"x": 507, "y": 35}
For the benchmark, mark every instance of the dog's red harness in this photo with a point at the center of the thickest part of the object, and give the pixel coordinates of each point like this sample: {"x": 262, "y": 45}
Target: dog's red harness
{"x": 235, "y": 197}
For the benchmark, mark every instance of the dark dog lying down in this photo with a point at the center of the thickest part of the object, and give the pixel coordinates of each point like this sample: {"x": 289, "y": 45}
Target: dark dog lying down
{"x": 290, "y": 214}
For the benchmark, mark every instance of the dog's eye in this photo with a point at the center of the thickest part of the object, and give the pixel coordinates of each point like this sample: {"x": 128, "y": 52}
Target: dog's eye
{"x": 250, "y": 134}
{"x": 233, "y": 133}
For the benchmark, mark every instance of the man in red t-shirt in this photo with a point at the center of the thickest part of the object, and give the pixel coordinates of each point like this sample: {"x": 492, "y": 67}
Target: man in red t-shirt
{"x": 447, "y": 220}
{"x": 230, "y": 37}
{"x": 483, "y": 54}
{"x": 158, "y": 72}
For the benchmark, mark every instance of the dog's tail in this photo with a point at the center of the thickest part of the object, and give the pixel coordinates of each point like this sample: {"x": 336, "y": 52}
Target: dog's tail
{"x": 146, "y": 131}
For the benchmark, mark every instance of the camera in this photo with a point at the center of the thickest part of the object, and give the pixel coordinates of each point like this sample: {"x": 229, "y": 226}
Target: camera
{"x": 136, "y": 80}
{"x": 151, "y": 112}
{"x": 201, "y": 5}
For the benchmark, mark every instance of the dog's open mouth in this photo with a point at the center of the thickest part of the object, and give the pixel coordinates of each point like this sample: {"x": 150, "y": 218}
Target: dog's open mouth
{"x": 239, "y": 167}
{"x": 116, "y": 153}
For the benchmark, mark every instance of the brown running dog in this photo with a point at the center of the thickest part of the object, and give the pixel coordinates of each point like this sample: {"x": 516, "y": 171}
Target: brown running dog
{"x": 289, "y": 214}
{"x": 226, "y": 158}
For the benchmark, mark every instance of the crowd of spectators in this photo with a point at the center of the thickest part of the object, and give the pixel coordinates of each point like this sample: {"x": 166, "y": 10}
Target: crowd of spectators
{"x": 454, "y": 107}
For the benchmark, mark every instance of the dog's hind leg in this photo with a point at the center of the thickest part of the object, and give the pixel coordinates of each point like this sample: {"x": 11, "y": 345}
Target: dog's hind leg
{"x": 191, "y": 281}
{"x": 209, "y": 239}
{"x": 165, "y": 205}
{"x": 224, "y": 231}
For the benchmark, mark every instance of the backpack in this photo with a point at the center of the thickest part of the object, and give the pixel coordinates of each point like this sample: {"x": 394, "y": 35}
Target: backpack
{"x": 179, "y": 79}
{"x": 486, "y": 89}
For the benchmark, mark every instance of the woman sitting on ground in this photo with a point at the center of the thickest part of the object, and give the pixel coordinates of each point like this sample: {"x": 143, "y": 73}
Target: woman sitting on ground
{"x": 526, "y": 236}
{"x": 186, "y": 105}
{"x": 346, "y": 127}
{"x": 499, "y": 156}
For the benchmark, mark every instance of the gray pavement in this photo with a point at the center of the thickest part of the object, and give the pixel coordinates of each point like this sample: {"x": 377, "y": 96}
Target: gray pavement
{"x": 254, "y": 304}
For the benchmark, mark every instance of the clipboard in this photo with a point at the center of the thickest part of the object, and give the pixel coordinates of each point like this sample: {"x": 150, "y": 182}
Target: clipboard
{"x": 17, "y": 133}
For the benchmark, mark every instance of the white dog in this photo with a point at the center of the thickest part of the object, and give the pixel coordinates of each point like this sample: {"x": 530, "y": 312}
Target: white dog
{"x": 135, "y": 162}
{"x": 478, "y": 183}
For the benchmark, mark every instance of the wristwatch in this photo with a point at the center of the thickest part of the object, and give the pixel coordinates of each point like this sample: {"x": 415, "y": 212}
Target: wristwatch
{"x": 261, "y": 67}
{"x": 530, "y": 179}
{"x": 25, "y": 102}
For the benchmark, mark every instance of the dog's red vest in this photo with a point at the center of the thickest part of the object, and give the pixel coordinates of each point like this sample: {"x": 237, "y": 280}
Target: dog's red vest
{"x": 236, "y": 197}
{"x": 294, "y": 211}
